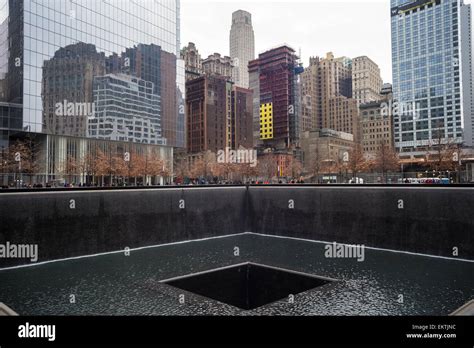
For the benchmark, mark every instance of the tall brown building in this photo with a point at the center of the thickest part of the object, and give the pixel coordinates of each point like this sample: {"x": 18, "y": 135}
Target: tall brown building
{"x": 343, "y": 116}
{"x": 277, "y": 114}
{"x": 169, "y": 99}
{"x": 67, "y": 89}
{"x": 242, "y": 118}
{"x": 192, "y": 61}
{"x": 376, "y": 128}
{"x": 216, "y": 64}
{"x": 366, "y": 80}
{"x": 327, "y": 95}
{"x": 219, "y": 115}
{"x": 151, "y": 63}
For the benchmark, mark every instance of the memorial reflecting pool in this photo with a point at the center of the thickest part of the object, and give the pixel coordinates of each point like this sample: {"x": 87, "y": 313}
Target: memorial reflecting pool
{"x": 385, "y": 283}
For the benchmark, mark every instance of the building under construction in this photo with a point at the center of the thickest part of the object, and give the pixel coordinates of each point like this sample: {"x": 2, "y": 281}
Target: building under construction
{"x": 273, "y": 79}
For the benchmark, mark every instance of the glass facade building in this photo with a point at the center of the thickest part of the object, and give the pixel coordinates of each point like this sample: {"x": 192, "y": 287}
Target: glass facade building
{"x": 432, "y": 66}
{"x": 52, "y": 51}
{"x": 124, "y": 110}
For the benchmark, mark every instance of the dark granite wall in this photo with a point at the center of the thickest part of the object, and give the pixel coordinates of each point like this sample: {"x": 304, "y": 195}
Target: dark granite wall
{"x": 432, "y": 221}
{"x": 105, "y": 221}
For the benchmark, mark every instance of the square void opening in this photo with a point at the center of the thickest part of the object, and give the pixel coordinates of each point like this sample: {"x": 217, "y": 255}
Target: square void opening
{"x": 248, "y": 286}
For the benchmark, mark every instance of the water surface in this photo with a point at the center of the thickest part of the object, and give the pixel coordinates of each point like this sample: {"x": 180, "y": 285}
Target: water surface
{"x": 116, "y": 284}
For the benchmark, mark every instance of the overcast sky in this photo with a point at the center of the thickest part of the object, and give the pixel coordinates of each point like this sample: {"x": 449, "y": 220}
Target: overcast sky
{"x": 345, "y": 27}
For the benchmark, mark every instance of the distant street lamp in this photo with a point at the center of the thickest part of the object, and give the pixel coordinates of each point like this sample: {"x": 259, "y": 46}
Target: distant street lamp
{"x": 18, "y": 160}
{"x": 127, "y": 160}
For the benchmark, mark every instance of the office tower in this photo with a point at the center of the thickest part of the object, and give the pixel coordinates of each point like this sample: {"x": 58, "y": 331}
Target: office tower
{"x": 376, "y": 127}
{"x": 366, "y": 80}
{"x": 242, "y": 46}
{"x": 52, "y": 51}
{"x": 37, "y": 30}
{"x": 171, "y": 102}
{"x": 343, "y": 116}
{"x": 308, "y": 94}
{"x": 143, "y": 61}
{"x": 192, "y": 61}
{"x": 219, "y": 115}
{"x": 254, "y": 86}
{"x": 432, "y": 73}
{"x": 242, "y": 118}
{"x": 216, "y": 64}
{"x": 277, "y": 108}
{"x": 126, "y": 109}
{"x": 67, "y": 82}
{"x": 327, "y": 95}
{"x": 467, "y": 74}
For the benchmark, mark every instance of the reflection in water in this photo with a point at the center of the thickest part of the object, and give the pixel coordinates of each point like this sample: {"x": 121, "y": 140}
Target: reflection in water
{"x": 59, "y": 49}
{"x": 120, "y": 285}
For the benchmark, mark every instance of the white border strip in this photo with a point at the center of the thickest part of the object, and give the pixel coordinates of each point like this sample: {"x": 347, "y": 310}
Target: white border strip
{"x": 119, "y": 251}
{"x": 351, "y": 187}
{"x": 249, "y": 263}
{"x": 366, "y": 247}
{"x": 262, "y": 187}
{"x": 122, "y": 191}
{"x": 228, "y": 236}
{"x": 189, "y": 275}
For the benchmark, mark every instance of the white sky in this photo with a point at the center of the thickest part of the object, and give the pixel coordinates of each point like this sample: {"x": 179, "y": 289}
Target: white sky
{"x": 345, "y": 27}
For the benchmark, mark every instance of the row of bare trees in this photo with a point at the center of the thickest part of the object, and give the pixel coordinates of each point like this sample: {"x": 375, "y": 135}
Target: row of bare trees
{"x": 126, "y": 167}
{"x": 206, "y": 166}
{"x": 355, "y": 161}
{"x": 445, "y": 156}
{"x": 23, "y": 158}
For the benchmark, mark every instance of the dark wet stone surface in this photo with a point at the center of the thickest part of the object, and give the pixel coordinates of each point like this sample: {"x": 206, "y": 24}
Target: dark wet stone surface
{"x": 116, "y": 284}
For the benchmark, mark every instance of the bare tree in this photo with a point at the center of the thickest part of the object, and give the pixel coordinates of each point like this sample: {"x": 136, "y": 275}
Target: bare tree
{"x": 295, "y": 168}
{"x": 156, "y": 166}
{"x": 70, "y": 168}
{"x": 445, "y": 150}
{"x": 29, "y": 152}
{"x": 357, "y": 161}
{"x": 245, "y": 171}
{"x": 137, "y": 166}
{"x": 102, "y": 165}
{"x": 203, "y": 165}
{"x": 316, "y": 164}
{"x": 267, "y": 167}
{"x": 386, "y": 160}
{"x": 119, "y": 168}
{"x": 181, "y": 168}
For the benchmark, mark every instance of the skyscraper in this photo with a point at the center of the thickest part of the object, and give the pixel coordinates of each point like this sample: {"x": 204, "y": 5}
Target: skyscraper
{"x": 327, "y": 100}
{"x": 51, "y": 52}
{"x": 432, "y": 73}
{"x": 192, "y": 61}
{"x": 216, "y": 64}
{"x": 242, "y": 46}
{"x": 68, "y": 78}
{"x": 274, "y": 77}
{"x": 219, "y": 115}
{"x": 366, "y": 80}
{"x": 33, "y": 33}
{"x": 126, "y": 109}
